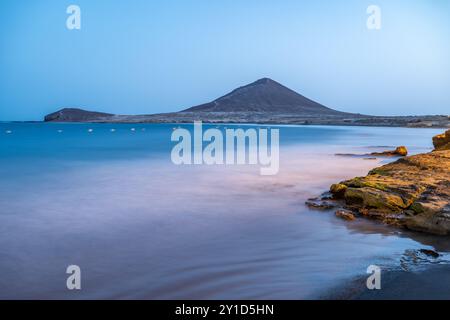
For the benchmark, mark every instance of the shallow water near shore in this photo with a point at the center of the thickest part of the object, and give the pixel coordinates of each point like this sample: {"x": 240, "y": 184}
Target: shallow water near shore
{"x": 113, "y": 203}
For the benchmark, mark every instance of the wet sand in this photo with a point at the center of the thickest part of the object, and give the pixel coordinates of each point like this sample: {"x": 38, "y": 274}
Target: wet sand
{"x": 432, "y": 283}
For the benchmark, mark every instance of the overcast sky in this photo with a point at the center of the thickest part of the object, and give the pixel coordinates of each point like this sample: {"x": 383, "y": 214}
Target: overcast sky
{"x": 136, "y": 57}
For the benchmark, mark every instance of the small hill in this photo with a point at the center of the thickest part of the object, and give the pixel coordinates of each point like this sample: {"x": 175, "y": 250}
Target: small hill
{"x": 76, "y": 115}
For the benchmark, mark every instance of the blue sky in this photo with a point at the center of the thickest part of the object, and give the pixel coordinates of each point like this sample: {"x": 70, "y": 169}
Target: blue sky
{"x": 137, "y": 57}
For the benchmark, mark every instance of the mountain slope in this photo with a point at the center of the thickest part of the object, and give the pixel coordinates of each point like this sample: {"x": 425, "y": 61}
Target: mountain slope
{"x": 264, "y": 95}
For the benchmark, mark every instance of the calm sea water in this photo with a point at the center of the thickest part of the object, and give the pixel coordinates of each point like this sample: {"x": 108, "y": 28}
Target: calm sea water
{"x": 140, "y": 227}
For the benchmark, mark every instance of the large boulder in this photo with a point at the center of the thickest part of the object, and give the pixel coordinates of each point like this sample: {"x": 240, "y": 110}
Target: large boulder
{"x": 401, "y": 151}
{"x": 442, "y": 141}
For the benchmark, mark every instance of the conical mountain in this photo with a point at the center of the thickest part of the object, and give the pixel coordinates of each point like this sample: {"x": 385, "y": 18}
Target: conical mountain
{"x": 264, "y": 95}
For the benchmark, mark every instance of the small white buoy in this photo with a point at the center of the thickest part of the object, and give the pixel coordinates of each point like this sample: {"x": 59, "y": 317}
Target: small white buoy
{"x": 59, "y": 131}
{"x": 90, "y": 130}
{"x": 8, "y": 131}
{"x": 133, "y": 129}
{"x": 113, "y": 130}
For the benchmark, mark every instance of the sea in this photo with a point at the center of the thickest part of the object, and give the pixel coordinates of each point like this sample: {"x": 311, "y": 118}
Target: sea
{"x": 108, "y": 199}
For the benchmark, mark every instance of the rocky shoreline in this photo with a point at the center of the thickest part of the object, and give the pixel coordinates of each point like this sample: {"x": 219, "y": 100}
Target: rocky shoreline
{"x": 412, "y": 192}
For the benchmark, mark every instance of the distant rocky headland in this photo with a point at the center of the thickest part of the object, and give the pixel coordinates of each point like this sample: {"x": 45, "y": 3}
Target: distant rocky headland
{"x": 263, "y": 101}
{"x": 413, "y": 192}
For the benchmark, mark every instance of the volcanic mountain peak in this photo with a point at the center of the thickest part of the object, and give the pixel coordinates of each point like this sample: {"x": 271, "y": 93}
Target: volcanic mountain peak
{"x": 264, "y": 95}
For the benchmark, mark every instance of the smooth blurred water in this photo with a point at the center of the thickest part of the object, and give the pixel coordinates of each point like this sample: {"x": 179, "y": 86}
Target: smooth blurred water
{"x": 141, "y": 227}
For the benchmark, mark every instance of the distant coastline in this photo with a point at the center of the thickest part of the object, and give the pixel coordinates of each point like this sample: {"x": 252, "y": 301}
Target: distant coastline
{"x": 264, "y": 101}
{"x": 276, "y": 119}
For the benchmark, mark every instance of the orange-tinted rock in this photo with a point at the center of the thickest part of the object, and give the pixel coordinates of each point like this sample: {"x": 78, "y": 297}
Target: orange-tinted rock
{"x": 399, "y": 151}
{"x": 442, "y": 141}
{"x": 345, "y": 214}
{"x": 413, "y": 191}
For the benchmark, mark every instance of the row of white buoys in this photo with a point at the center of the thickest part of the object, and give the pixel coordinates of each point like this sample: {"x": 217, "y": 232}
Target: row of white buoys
{"x": 90, "y": 130}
